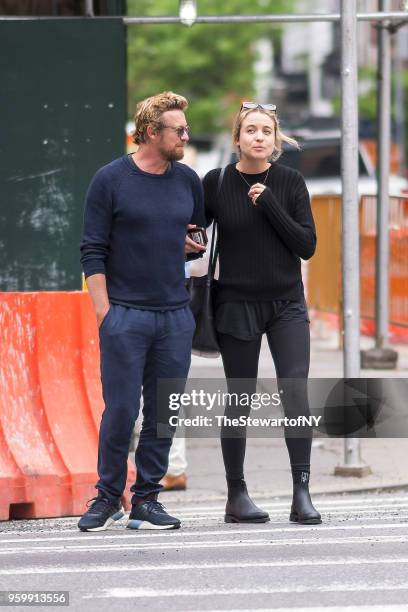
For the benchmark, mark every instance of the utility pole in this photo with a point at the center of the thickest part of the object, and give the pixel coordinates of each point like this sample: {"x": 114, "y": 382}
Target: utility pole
{"x": 382, "y": 356}
{"x": 399, "y": 102}
{"x": 353, "y": 465}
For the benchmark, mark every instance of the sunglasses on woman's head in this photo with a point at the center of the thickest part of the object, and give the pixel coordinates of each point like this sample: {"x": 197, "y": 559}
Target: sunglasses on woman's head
{"x": 253, "y": 105}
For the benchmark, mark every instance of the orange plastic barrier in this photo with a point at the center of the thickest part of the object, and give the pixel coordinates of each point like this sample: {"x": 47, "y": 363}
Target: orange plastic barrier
{"x": 324, "y": 290}
{"x": 398, "y": 260}
{"x": 50, "y": 404}
{"x": 370, "y": 146}
{"x": 324, "y": 285}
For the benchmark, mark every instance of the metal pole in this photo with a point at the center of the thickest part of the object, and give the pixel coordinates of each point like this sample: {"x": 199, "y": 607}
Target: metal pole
{"x": 382, "y": 356}
{"x": 303, "y": 18}
{"x": 276, "y": 18}
{"x": 383, "y": 202}
{"x": 353, "y": 465}
{"x": 89, "y": 8}
{"x": 399, "y": 102}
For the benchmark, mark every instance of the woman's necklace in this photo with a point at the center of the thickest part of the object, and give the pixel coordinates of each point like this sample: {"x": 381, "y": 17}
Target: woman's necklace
{"x": 244, "y": 179}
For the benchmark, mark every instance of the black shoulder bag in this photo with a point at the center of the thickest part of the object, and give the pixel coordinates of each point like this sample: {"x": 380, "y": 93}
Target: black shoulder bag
{"x": 201, "y": 290}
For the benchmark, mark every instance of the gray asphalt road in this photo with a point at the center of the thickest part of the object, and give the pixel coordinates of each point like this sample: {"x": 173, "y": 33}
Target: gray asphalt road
{"x": 356, "y": 560}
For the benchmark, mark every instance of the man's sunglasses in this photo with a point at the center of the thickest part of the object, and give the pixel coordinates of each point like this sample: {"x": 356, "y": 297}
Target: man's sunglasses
{"x": 253, "y": 105}
{"x": 178, "y": 130}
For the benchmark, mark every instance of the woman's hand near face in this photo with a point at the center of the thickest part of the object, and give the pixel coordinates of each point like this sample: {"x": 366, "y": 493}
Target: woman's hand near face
{"x": 256, "y": 191}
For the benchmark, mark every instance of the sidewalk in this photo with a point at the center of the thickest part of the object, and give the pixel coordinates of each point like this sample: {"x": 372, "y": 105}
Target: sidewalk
{"x": 267, "y": 466}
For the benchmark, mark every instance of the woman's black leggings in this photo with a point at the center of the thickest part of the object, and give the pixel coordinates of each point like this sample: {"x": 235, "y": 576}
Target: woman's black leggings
{"x": 290, "y": 350}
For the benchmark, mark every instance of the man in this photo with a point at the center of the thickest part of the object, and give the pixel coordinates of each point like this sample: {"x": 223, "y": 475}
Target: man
{"x": 137, "y": 212}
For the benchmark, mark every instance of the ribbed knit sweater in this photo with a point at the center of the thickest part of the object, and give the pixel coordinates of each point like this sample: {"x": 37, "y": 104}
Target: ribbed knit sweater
{"x": 260, "y": 246}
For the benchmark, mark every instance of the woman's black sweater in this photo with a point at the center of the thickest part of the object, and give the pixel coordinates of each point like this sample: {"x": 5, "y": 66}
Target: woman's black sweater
{"x": 260, "y": 246}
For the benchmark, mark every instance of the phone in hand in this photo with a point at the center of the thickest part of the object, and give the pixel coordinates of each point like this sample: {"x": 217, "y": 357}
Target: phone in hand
{"x": 198, "y": 235}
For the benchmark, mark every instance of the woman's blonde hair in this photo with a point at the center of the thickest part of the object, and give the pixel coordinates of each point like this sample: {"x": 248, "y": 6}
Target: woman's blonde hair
{"x": 150, "y": 110}
{"x": 280, "y": 137}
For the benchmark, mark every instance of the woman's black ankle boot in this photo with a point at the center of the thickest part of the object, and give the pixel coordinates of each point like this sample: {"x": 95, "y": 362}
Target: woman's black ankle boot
{"x": 240, "y": 508}
{"x": 302, "y": 510}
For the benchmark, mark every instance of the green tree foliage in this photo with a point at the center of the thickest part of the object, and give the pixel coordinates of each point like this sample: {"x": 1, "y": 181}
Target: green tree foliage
{"x": 212, "y": 65}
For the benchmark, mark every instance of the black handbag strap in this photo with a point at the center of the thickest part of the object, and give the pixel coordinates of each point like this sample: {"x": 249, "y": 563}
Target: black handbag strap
{"x": 212, "y": 262}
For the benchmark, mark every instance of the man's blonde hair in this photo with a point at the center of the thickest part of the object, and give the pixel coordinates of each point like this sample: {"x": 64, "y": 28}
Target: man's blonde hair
{"x": 150, "y": 110}
{"x": 280, "y": 137}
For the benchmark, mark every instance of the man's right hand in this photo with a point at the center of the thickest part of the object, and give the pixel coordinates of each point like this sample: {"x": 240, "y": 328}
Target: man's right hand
{"x": 101, "y": 314}
{"x": 96, "y": 284}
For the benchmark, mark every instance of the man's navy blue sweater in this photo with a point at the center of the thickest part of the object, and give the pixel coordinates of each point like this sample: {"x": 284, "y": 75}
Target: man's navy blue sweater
{"x": 135, "y": 226}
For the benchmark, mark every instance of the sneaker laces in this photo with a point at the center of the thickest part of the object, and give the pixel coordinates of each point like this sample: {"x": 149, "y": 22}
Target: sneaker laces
{"x": 154, "y": 505}
{"x": 97, "y": 503}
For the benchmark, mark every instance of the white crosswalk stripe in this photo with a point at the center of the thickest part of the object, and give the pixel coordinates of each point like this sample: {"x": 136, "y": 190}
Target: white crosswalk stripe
{"x": 340, "y": 587}
{"x": 359, "y": 554}
{"x": 321, "y": 562}
{"x": 232, "y": 531}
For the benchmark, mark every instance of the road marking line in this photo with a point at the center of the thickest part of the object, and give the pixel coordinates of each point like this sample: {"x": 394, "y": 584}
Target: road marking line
{"x": 123, "y": 592}
{"x": 302, "y": 562}
{"x": 191, "y": 515}
{"x": 321, "y": 500}
{"x": 209, "y": 544}
{"x": 351, "y": 608}
{"x": 232, "y": 531}
{"x": 117, "y": 528}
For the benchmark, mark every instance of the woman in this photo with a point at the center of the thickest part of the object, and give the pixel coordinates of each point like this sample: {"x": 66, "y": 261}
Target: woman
{"x": 265, "y": 227}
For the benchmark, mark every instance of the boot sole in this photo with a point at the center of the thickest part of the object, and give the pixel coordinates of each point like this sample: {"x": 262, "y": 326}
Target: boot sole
{"x": 312, "y": 521}
{"x": 229, "y": 518}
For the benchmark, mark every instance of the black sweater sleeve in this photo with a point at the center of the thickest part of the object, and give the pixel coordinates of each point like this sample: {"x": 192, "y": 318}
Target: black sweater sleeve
{"x": 298, "y": 230}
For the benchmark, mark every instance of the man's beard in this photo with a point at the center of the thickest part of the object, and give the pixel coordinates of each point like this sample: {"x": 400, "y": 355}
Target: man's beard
{"x": 172, "y": 154}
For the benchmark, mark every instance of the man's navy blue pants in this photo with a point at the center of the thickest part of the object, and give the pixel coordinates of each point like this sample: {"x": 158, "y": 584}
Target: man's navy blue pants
{"x": 138, "y": 347}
